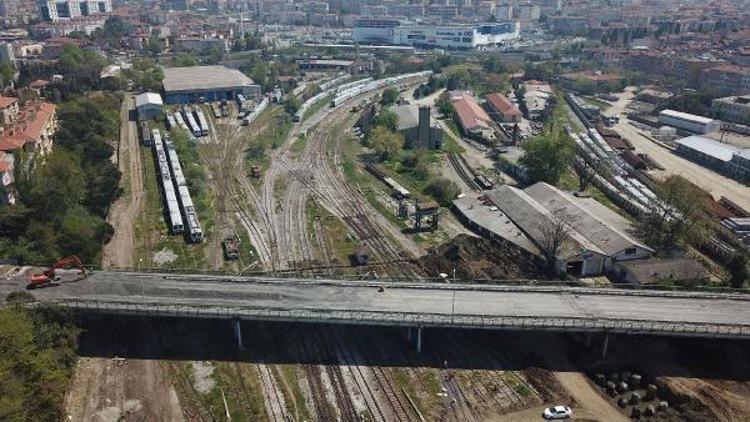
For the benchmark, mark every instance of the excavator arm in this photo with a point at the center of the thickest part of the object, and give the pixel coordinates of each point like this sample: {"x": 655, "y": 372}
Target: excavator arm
{"x": 50, "y": 274}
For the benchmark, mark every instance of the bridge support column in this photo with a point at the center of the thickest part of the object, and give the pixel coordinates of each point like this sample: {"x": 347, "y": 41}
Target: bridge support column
{"x": 604, "y": 347}
{"x": 238, "y": 334}
{"x": 408, "y": 334}
{"x": 419, "y": 339}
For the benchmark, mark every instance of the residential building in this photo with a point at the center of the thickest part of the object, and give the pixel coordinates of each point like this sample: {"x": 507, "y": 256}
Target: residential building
{"x": 420, "y": 130}
{"x": 7, "y": 179}
{"x": 733, "y": 109}
{"x": 201, "y": 45}
{"x": 374, "y": 31}
{"x": 54, "y": 10}
{"x": 502, "y": 109}
{"x": 7, "y": 54}
{"x": 727, "y": 79}
{"x": 570, "y": 25}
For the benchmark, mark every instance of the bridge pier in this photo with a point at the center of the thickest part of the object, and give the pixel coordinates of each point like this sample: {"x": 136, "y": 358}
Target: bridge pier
{"x": 419, "y": 339}
{"x": 604, "y": 346}
{"x": 588, "y": 339}
{"x": 238, "y": 334}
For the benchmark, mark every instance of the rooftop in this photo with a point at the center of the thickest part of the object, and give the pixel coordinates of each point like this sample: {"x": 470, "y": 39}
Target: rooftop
{"x": 203, "y": 78}
{"x": 470, "y": 114}
{"x": 408, "y": 117}
{"x": 686, "y": 116}
{"x": 709, "y": 147}
{"x": 502, "y": 104}
{"x": 148, "y": 98}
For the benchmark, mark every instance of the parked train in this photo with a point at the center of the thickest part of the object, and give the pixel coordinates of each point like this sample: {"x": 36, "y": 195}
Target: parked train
{"x": 172, "y": 206}
{"x": 255, "y": 113}
{"x": 395, "y": 81}
{"x": 202, "y": 121}
{"x": 192, "y": 124}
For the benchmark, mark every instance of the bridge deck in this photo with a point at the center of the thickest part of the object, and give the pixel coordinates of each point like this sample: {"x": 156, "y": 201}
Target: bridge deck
{"x": 553, "y": 308}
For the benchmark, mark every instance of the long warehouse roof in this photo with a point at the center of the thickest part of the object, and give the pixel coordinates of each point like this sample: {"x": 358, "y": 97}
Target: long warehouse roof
{"x": 203, "y": 78}
{"x": 709, "y": 147}
{"x": 686, "y": 116}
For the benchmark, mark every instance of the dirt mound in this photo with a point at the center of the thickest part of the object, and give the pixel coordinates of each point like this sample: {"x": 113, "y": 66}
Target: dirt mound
{"x": 477, "y": 258}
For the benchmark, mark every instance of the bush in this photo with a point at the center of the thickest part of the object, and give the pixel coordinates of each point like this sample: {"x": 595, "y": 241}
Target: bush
{"x": 443, "y": 190}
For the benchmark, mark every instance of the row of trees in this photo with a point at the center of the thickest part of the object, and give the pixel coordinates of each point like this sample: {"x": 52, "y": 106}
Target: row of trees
{"x": 66, "y": 195}
{"x": 80, "y": 68}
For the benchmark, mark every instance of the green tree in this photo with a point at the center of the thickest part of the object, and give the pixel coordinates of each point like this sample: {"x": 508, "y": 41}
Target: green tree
{"x": 386, "y": 144}
{"x": 444, "y": 105}
{"x": 184, "y": 60}
{"x": 387, "y": 119}
{"x": 738, "y": 271}
{"x": 443, "y": 190}
{"x": 548, "y": 155}
{"x": 292, "y": 104}
{"x": 7, "y": 73}
{"x": 389, "y": 97}
{"x": 679, "y": 217}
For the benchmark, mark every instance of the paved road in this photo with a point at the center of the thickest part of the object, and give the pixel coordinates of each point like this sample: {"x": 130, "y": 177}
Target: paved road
{"x": 398, "y": 304}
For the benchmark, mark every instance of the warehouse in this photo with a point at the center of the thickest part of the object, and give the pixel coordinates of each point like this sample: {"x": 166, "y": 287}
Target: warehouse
{"x": 689, "y": 122}
{"x": 206, "y": 83}
{"x": 723, "y": 158}
{"x": 596, "y": 237}
{"x": 472, "y": 118}
{"x": 420, "y": 130}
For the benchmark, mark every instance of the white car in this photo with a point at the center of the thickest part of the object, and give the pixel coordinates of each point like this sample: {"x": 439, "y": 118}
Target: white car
{"x": 557, "y": 412}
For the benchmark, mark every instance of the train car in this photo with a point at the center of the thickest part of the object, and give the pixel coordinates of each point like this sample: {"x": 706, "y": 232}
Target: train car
{"x": 216, "y": 110}
{"x": 171, "y": 205}
{"x": 350, "y": 85}
{"x": 255, "y": 113}
{"x": 180, "y": 121}
{"x": 193, "y": 230}
{"x": 202, "y": 121}
{"x": 484, "y": 182}
{"x": 145, "y": 134}
{"x": 325, "y": 86}
{"x": 191, "y": 123}
{"x": 170, "y": 122}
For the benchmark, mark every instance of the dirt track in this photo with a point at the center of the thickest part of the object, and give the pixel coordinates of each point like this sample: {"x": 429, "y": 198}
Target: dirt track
{"x": 119, "y": 251}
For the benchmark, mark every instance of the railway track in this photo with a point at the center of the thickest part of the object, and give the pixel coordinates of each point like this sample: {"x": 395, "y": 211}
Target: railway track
{"x": 459, "y": 165}
{"x": 273, "y": 398}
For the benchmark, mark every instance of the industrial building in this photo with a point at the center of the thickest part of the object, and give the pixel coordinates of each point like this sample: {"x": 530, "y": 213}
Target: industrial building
{"x": 148, "y": 105}
{"x": 733, "y": 109}
{"x": 688, "y": 122}
{"x": 472, "y": 118}
{"x": 420, "y": 130}
{"x": 597, "y": 237}
{"x": 206, "y": 83}
{"x": 502, "y": 109}
{"x": 725, "y": 159}
{"x": 460, "y": 37}
{"x": 325, "y": 65}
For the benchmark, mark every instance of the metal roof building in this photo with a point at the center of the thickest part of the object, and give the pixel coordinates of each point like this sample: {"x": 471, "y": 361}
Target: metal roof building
{"x": 206, "y": 83}
{"x": 420, "y": 130}
{"x": 149, "y": 105}
{"x": 597, "y": 237}
{"x": 689, "y": 122}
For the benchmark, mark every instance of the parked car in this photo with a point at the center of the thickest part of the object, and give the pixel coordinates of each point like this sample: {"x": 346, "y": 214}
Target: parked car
{"x": 557, "y": 412}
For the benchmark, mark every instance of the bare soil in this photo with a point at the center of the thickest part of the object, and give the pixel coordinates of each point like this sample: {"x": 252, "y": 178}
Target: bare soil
{"x": 119, "y": 251}
{"x": 477, "y": 258}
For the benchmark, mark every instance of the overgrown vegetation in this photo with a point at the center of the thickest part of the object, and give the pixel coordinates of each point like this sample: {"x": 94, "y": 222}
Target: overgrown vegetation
{"x": 37, "y": 357}
{"x": 548, "y": 155}
{"x": 80, "y": 69}
{"x": 65, "y": 196}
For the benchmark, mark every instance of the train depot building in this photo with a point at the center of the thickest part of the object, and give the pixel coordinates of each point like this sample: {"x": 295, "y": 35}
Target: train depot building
{"x": 195, "y": 84}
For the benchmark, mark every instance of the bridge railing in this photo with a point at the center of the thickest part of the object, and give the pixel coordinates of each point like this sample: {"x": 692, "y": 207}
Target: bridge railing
{"x": 514, "y": 322}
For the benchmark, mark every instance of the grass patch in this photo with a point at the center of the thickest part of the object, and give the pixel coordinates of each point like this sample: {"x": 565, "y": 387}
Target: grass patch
{"x": 596, "y": 103}
{"x": 317, "y": 107}
{"x": 299, "y": 144}
{"x": 289, "y": 376}
{"x": 337, "y": 233}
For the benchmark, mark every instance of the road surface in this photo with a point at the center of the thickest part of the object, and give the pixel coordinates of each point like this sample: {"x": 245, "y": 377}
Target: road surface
{"x": 402, "y": 303}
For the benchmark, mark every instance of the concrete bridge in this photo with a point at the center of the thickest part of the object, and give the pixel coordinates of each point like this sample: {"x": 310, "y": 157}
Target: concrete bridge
{"x": 413, "y": 305}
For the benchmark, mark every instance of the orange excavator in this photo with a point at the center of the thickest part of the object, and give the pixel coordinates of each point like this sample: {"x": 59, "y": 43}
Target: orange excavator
{"x": 49, "y": 277}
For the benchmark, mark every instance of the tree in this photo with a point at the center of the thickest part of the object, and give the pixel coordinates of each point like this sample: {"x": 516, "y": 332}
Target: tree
{"x": 387, "y": 119}
{"x": 7, "y": 73}
{"x": 386, "y": 144}
{"x": 389, "y": 96}
{"x": 548, "y": 155}
{"x": 555, "y": 231}
{"x": 737, "y": 268}
{"x": 586, "y": 169}
{"x": 679, "y": 217}
{"x": 444, "y": 105}
{"x": 443, "y": 190}
{"x": 292, "y": 104}
{"x": 184, "y": 60}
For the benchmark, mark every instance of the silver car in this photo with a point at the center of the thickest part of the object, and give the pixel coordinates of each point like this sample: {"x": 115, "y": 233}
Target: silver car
{"x": 557, "y": 412}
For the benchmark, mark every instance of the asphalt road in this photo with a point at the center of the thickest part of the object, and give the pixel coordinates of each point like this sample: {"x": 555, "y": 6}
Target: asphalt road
{"x": 444, "y": 300}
